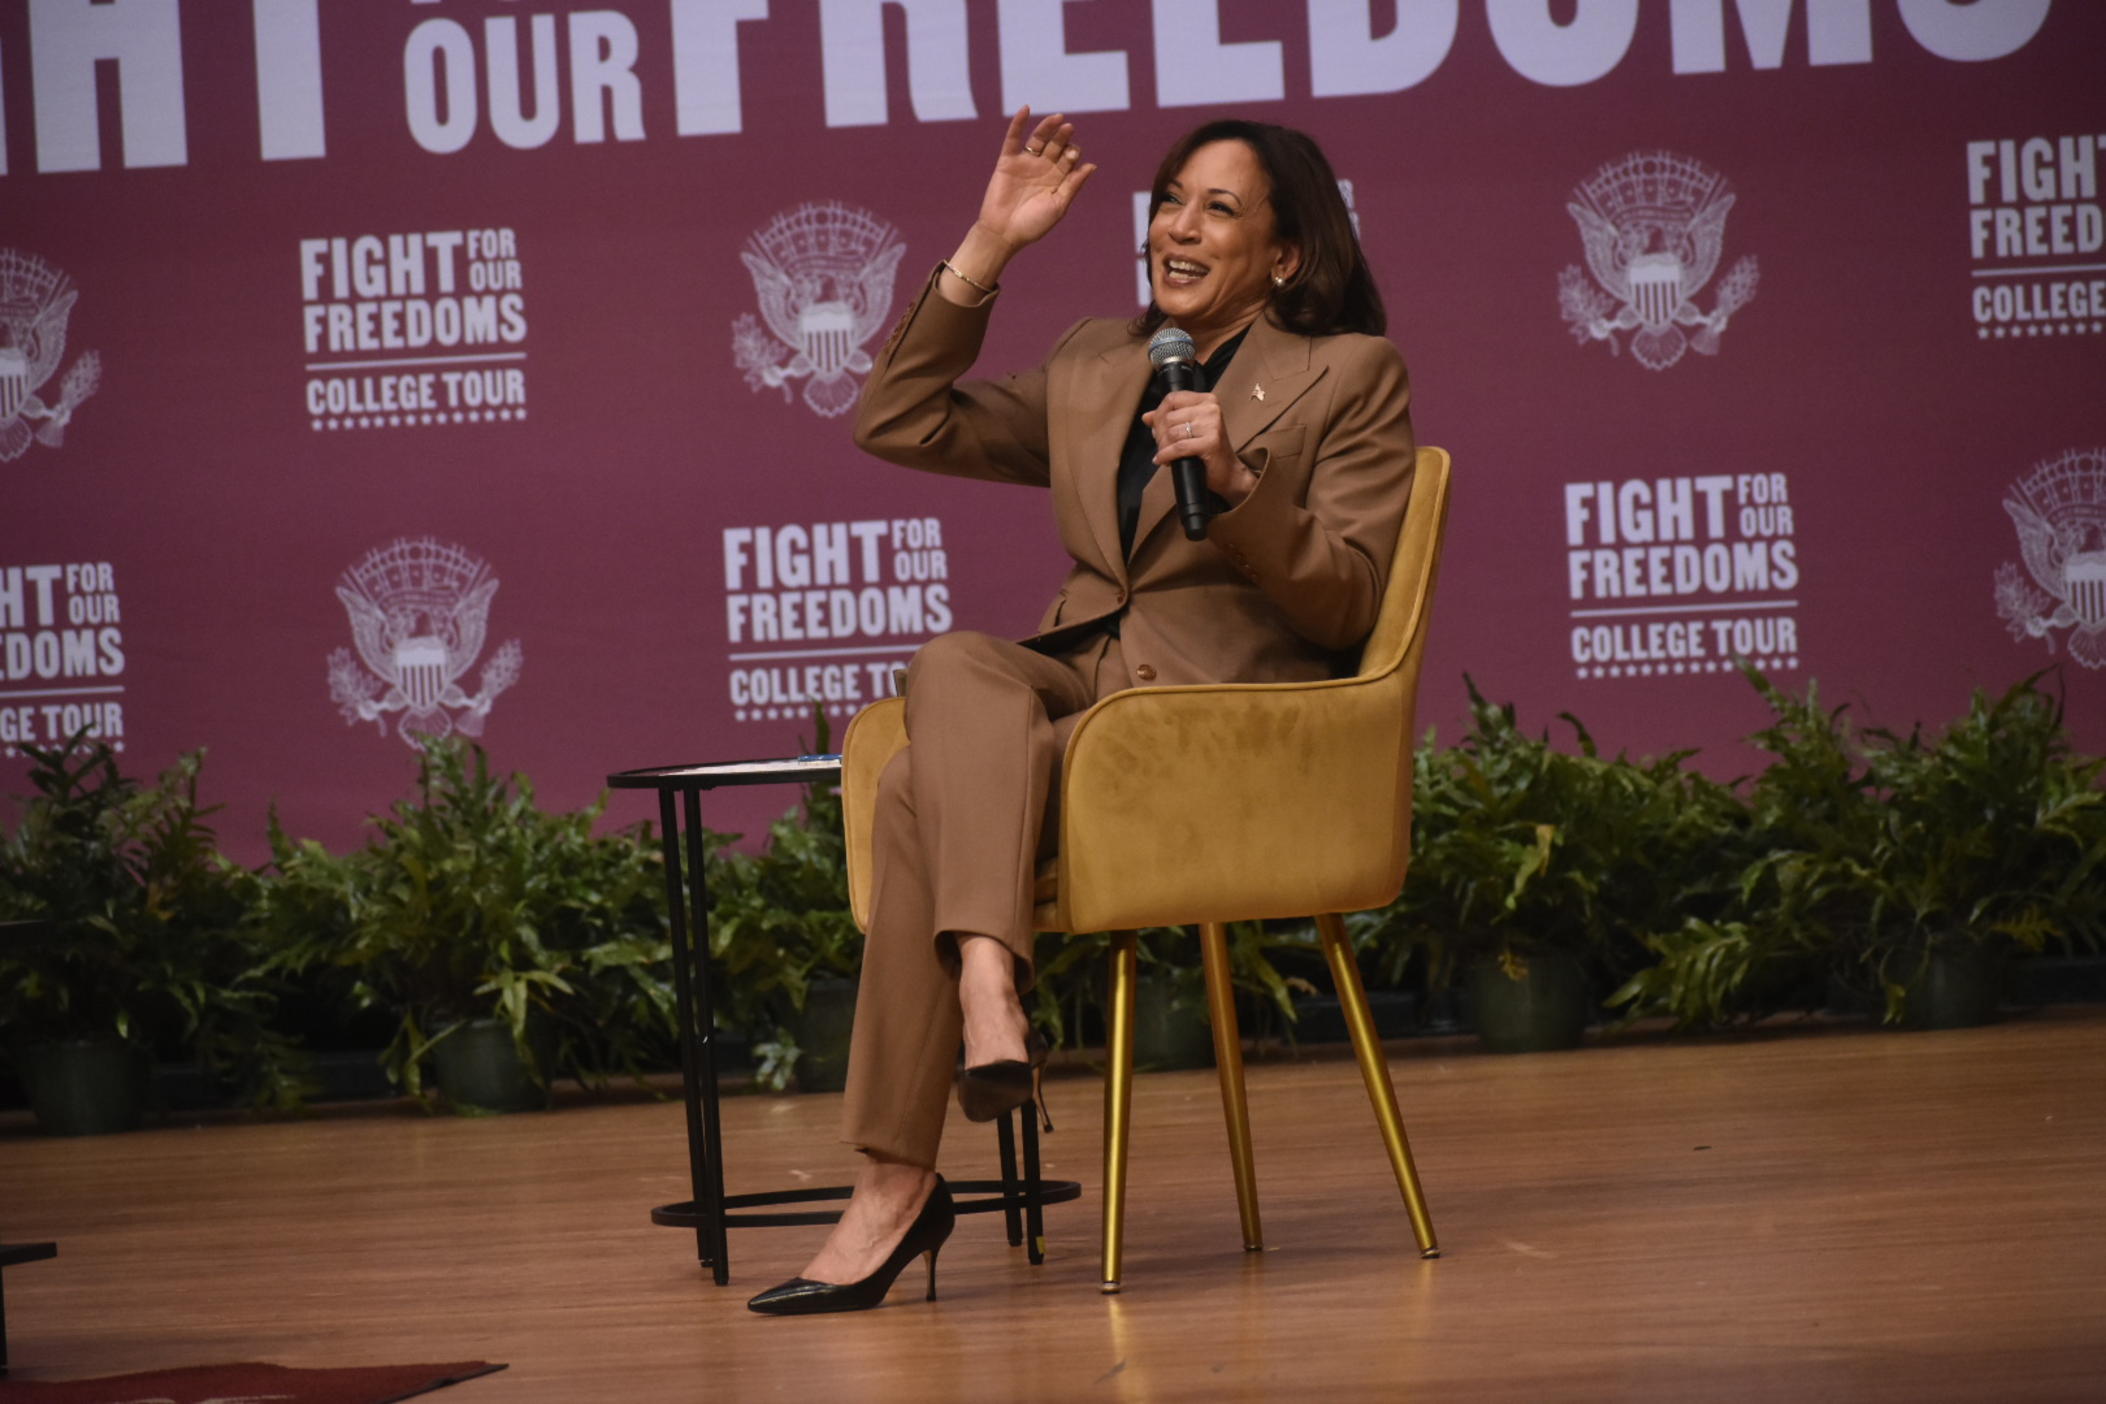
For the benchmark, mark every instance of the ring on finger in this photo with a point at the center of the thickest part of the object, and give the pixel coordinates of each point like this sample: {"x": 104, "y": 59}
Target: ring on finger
{"x": 1032, "y": 150}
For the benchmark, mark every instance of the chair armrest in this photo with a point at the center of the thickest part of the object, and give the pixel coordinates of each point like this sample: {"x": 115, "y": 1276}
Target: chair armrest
{"x": 1235, "y": 801}
{"x": 874, "y": 737}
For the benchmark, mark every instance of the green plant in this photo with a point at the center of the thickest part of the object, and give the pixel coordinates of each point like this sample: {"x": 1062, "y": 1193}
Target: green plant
{"x": 1869, "y": 849}
{"x": 471, "y": 902}
{"x": 1520, "y": 847}
{"x": 1808, "y": 808}
{"x": 780, "y": 919}
{"x": 150, "y": 939}
{"x": 1069, "y": 993}
{"x": 1993, "y": 833}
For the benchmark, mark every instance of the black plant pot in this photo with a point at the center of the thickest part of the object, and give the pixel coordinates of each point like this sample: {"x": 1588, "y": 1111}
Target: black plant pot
{"x": 2058, "y": 980}
{"x": 1321, "y": 1019}
{"x": 479, "y": 1068}
{"x": 1546, "y": 1009}
{"x": 822, "y": 1030}
{"x": 1957, "y": 986}
{"x": 1170, "y": 1027}
{"x": 84, "y": 1086}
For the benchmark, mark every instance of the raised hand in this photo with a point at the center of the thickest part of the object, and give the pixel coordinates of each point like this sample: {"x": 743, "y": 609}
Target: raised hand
{"x": 1036, "y": 177}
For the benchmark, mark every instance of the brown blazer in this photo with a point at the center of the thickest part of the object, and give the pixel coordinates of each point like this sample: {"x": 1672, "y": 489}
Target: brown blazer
{"x": 1285, "y": 585}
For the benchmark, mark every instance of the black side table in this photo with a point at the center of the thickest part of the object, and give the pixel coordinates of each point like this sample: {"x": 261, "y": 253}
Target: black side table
{"x": 709, "y": 1213}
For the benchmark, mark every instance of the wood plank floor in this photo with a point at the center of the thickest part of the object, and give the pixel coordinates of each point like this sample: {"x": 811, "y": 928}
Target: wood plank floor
{"x": 1804, "y": 1214}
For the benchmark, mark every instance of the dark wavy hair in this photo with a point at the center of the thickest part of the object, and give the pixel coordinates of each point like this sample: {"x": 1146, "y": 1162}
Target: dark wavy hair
{"x": 1332, "y": 290}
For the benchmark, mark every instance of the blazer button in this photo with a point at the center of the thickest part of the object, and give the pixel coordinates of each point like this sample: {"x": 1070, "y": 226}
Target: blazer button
{"x": 1145, "y": 672}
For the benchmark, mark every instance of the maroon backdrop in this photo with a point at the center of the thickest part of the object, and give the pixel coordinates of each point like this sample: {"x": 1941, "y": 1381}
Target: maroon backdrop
{"x": 376, "y": 365}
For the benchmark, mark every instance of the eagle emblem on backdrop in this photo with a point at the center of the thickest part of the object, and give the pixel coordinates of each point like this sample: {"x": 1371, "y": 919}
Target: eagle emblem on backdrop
{"x": 2060, "y": 512}
{"x": 35, "y": 302}
{"x": 823, "y": 273}
{"x": 1654, "y": 227}
{"x": 420, "y": 609}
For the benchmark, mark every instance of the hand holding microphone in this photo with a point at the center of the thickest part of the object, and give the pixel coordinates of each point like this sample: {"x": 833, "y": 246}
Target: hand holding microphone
{"x": 1208, "y": 476}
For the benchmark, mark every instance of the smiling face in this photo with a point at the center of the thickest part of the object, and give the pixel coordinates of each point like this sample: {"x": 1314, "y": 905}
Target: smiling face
{"x": 1213, "y": 247}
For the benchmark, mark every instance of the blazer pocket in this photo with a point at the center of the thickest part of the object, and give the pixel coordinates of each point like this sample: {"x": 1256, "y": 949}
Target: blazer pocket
{"x": 1278, "y": 448}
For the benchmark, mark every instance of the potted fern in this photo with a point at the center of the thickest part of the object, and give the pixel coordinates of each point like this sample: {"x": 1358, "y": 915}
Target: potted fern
{"x": 134, "y": 942}
{"x": 507, "y": 942}
{"x": 1536, "y": 870}
{"x": 1791, "y": 885}
{"x": 785, "y": 941}
{"x": 1990, "y": 841}
{"x": 1904, "y": 868}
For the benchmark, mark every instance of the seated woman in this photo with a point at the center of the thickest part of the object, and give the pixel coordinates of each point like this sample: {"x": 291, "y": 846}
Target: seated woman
{"x": 1303, "y": 423}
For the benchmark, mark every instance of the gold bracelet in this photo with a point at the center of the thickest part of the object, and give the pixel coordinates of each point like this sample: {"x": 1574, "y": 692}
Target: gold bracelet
{"x": 968, "y": 280}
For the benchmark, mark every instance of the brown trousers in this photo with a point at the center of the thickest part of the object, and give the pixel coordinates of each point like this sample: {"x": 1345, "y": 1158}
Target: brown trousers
{"x": 962, "y": 817}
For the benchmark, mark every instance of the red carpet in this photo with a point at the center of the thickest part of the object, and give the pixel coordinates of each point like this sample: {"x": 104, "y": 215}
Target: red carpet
{"x": 249, "y": 1384}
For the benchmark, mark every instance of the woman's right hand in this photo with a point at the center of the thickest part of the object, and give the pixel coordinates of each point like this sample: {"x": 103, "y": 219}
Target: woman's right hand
{"x": 1035, "y": 179}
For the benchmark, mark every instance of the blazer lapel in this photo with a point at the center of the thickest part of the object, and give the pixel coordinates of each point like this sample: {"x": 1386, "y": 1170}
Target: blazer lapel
{"x": 1156, "y": 501}
{"x": 1269, "y": 373}
{"x": 1098, "y": 411}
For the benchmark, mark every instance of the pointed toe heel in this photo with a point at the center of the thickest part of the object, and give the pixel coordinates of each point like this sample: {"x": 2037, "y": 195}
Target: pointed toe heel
{"x": 801, "y": 1296}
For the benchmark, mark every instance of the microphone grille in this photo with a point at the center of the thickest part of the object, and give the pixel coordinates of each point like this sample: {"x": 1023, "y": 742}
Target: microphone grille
{"x": 1171, "y": 344}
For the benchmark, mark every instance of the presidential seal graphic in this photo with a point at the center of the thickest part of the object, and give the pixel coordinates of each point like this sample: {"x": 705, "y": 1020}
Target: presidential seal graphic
{"x": 823, "y": 274}
{"x": 2060, "y": 512}
{"x": 35, "y": 301}
{"x": 1654, "y": 226}
{"x": 419, "y": 611}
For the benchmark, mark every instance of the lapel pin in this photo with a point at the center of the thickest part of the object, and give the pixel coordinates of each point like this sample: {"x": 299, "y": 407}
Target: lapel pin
{"x": 1257, "y": 392}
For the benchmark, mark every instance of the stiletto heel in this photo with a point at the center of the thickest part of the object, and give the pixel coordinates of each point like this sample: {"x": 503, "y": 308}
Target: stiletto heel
{"x": 801, "y": 1296}
{"x": 987, "y": 1090}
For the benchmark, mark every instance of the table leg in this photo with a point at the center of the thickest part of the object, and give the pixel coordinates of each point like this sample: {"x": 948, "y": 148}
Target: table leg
{"x": 706, "y": 1039}
{"x": 698, "y": 1148}
{"x": 1012, "y": 1200}
{"x": 1034, "y": 1214}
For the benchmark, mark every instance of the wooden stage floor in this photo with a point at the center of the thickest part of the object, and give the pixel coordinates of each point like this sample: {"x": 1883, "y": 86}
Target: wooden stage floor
{"x": 1800, "y": 1214}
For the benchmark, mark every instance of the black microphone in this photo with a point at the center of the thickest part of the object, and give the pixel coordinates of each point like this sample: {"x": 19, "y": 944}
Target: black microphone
{"x": 1176, "y": 362}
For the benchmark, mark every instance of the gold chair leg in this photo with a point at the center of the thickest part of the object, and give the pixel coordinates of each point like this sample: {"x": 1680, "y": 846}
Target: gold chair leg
{"x": 1374, "y": 1070}
{"x": 1118, "y": 1096}
{"x": 1228, "y": 1061}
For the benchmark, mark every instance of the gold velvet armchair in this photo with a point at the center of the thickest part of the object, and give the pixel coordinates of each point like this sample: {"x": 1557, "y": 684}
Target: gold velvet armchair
{"x": 1229, "y": 802}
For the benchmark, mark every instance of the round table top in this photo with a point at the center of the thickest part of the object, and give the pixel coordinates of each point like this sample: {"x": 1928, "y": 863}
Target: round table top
{"x": 711, "y": 774}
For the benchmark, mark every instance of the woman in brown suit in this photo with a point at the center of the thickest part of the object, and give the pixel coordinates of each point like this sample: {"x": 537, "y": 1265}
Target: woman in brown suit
{"x": 1303, "y": 423}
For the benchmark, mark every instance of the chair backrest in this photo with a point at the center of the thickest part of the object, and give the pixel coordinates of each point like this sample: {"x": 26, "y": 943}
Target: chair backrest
{"x": 1400, "y": 628}
{"x": 1396, "y": 648}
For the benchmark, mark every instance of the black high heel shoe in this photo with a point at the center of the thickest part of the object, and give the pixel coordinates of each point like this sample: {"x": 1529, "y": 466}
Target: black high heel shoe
{"x": 989, "y": 1090}
{"x": 801, "y": 1296}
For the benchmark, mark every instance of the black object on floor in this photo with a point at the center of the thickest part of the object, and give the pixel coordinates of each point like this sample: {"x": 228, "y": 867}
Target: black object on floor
{"x": 10, "y": 1254}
